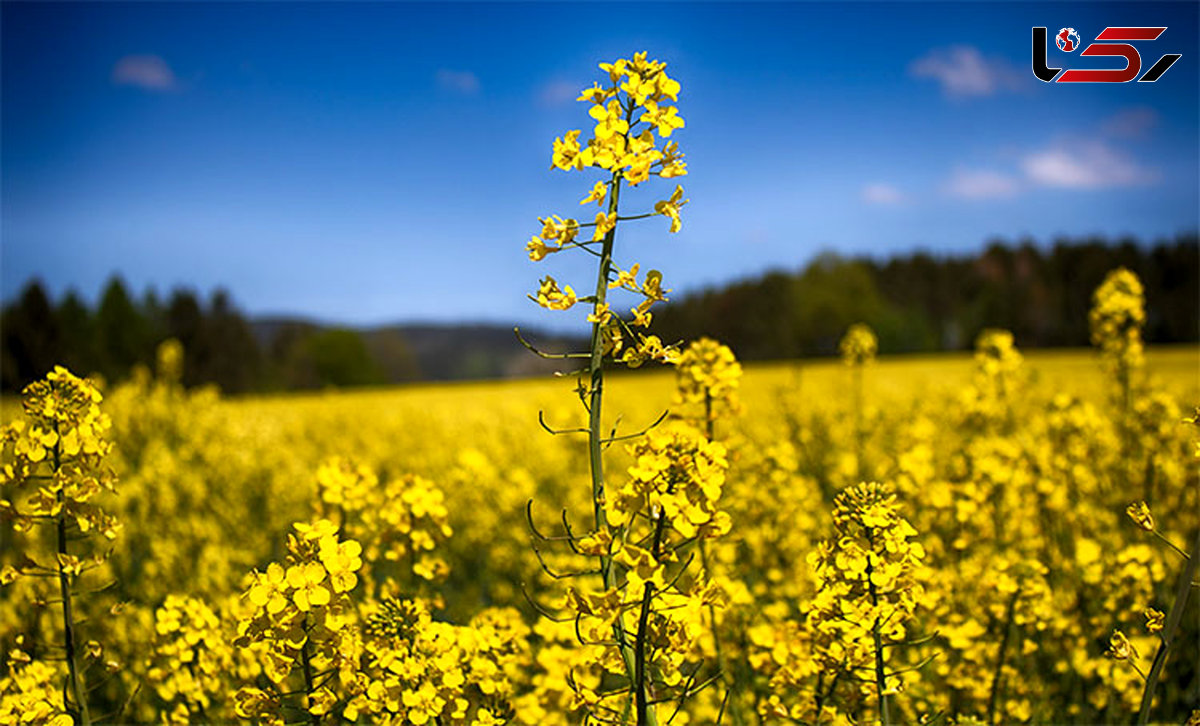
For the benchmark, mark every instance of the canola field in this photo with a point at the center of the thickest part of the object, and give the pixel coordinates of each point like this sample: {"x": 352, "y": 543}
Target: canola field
{"x": 1030, "y": 561}
{"x": 974, "y": 539}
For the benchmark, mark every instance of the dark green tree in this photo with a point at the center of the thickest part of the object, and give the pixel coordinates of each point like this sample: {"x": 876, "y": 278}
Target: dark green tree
{"x": 31, "y": 338}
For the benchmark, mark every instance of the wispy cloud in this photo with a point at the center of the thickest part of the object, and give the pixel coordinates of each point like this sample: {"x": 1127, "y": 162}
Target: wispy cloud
{"x": 464, "y": 82}
{"x": 881, "y": 193}
{"x": 981, "y": 184}
{"x": 148, "y": 72}
{"x": 558, "y": 93}
{"x": 963, "y": 71}
{"x": 1085, "y": 165}
{"x": 1130, "y": 123}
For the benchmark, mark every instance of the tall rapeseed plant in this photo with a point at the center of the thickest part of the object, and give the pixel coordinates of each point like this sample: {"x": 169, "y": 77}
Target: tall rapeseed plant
{"x": 647, "y": 613}
{"x": 56, "y": 472}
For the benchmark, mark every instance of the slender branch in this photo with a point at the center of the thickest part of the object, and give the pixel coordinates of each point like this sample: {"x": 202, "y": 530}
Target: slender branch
{"x": 569, "y": 537}
{"x": 560, "y": 575}
{"x": 558, "y": 432}
{"x": 918, "y": 641}
{"x": 1168, "y": 633}
{"x": 994, "y": 701}
{"x": 541, "y": 610}
{"x": 662, "y": 417}
{"x": 1171, "y": 544}
{"x": 556, "y": 356}
{"x": 306, "y": 661}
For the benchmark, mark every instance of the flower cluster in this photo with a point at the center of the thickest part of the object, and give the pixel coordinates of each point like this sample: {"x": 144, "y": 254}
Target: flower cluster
{"x": 410, "y": 523}
{"x": 676, "y": 480}
{"x": 190, "y": 659}
{"x": 707, "y": 375}
{"x": 1116, "y": 318}
{"x": 867, "y": 587}
{"x": 858, "y": 345}
{"x": 672, "y": 490}
{"x": 400, "y": 524}
{"x": 631, "y": 114}
{"x": 415, "y": 670}
{"x": 301, "y": 618}
{"x": 996, "y": 355}
{"x": 998, "y": 375}
{"x": 31, "y": 693}
{"x": 636, "y": 86}
{"x": 59, "y": 455}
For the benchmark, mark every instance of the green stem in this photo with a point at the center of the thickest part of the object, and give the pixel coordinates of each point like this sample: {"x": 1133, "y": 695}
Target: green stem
{"x": 641, "y": 685}
{"x": 595, "y": 433}
{"x": 306, "y": 662}
{"x": 596, "y": 391}
{"x": 642, "y": 706}
{"x": 734, "y": 713}
{"x": 1125, "y": 375}
{"x": 1168, "y": 634}
{"x": 1170, "y": 544}
{"x": 708, "y": 415}
{"x": 859, "y": 433}
{"x": 880, "y": 680}
{"x": 994, "y": 701}
{"x": 821, "y": 698}
{"x": 64, "y": 583}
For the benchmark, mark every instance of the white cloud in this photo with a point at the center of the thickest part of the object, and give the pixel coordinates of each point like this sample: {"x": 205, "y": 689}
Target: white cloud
{"x": 1089, "y": 165}
{"x": 880, "y": 193}
{"x": 981, "y": 184}
{"x": 464, "y": 82}
{"x": 148, "y": 72}
{"x": 963, "y": 71}
{"x": 558, "y": 93}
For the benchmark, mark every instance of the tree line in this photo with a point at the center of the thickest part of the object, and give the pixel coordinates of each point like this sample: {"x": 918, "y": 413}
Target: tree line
{"x": 924, "y": 302}
{"x": 220, "y": 344}
{"x": 914, "y": 302}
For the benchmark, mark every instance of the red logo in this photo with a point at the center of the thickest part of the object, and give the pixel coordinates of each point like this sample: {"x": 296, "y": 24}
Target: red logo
{"x": 1068, "y": 39}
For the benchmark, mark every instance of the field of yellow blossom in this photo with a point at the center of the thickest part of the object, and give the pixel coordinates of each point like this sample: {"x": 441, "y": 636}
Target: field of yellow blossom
{"x": 1020, "y": 511}
{"x": 984, "y": 539}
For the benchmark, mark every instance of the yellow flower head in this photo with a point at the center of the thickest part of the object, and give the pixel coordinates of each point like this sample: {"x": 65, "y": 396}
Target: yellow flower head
{"x": 1154, "y": 620}
{"x": 1119, "y": 647}
{"x": 670, "y": 208}
{"x": 858, "y": 346}
{"x": 1141, "y": 516}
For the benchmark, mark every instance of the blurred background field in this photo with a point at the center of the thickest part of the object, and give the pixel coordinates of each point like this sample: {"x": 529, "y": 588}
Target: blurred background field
{"x": 648, "y": 393}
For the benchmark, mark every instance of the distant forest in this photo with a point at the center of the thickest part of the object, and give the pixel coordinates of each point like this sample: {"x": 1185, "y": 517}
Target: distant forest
{"x": 916, "y": 302}
{"x": 924, "y": 302}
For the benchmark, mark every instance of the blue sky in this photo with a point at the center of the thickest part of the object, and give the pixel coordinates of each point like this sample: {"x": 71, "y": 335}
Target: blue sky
{"x": 369, "y": 163}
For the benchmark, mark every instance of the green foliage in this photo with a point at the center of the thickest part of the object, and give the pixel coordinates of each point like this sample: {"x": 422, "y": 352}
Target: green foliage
{"x": 920, "y": 302}
{"x": 340, "y": 358}
{"x": 219, "y": 345}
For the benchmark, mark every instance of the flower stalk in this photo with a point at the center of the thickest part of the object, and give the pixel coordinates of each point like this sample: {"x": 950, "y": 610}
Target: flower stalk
{"x": 997, "y": 677}
{"x": 1182, "y": 589}
{"x": 78, "y": 693}
{"x": 629, "y": 156}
